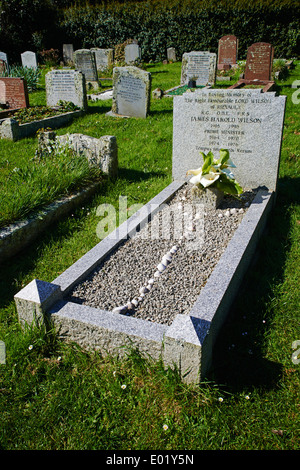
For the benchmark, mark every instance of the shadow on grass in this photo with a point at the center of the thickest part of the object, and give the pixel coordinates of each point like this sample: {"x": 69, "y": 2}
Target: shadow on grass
{"x": 136, "y": 176}
{"x": 238, "y": 359}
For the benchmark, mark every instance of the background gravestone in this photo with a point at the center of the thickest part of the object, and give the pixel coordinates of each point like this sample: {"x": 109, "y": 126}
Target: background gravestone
{"x": 66, "y": 85}
{"x": 29, "y": 59}
{"x": 259, "y": 62}
{"x": 227, "y": 52}
{"x": 86, "y": 63}
{"x": 3, "y": 62}
{"x": 68, "y": 54}
{"x": 104, "y": 58}
{"x": 247, "y": 122}
{"x": 132, "y": 53}
{"x": 13, "y": 92}
{"x": 200, "y": 66}
{"x": 171, "y": 54}
{"x": 131, "y": 92}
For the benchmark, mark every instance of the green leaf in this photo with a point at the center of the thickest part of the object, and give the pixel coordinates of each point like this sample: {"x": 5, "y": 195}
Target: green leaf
{"x": 224, "y": 155}
{"x": 208, "y": 161}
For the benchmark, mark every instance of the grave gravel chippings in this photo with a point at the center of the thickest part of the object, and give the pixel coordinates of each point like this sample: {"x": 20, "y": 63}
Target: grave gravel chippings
{"x": 132, "y": 282}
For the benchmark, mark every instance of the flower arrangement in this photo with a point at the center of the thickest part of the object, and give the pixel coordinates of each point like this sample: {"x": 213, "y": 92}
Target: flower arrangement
{"x": 216, "y": 173}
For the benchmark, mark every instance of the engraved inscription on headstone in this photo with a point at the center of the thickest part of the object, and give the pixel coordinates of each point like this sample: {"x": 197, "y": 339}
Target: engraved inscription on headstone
{"x": 131, "y": 91}
{"x": 259, "y": 61}
{"x": 66, "y": 85}
{"x": 247, "y": 122}
{"x": 227, "y": 51}
{"x": 200, "y": 66}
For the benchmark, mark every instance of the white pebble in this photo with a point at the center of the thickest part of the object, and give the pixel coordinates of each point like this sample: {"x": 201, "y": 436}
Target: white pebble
{"x": 157, "y": 273}
{"x": 241, "y": 210}
{"x": 143, "y": 290}
{"x": 197, "y": 216}
{"x": 121, "y": 309}
{"x": 232, "y": 211}
{"x": 173, "y": 249}
{"x": 161, "y": 267}
{"x": 151, "y": 281}
{"x": 149, "y": 287}
{"x": 227, "y": 213}
{"x": 135, "y": 302}
{"x": 220, "y": 214}
{"x": 166, "y": 259}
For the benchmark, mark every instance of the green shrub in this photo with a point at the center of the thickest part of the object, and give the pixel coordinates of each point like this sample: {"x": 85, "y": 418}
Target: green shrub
{"x": 30, "y": 74}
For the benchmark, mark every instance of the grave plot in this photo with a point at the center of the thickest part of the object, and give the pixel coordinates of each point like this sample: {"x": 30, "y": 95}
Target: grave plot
{"x": 258, "y": 70}
{"x": 198, "y": 70}
{"x": 62, "y": 86}
{"x": 188, "y": 280}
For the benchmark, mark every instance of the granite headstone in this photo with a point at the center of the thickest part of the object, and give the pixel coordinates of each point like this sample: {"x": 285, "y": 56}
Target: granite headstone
{"x": 131, "y": 92}
{"x": 86, "y": 63}
{"x": 66, "y": 85}
{"x": 132, "y": 53}
{"x": 104, "y": 58}
{"x": 28, "y": 59}
{"x": 68, "y": 54}
{"x": 227, "y": 51}
{"x": 171, "y": 54}
{"x": 259, "y": 62}
{"x": 247, "y": 122}
{"x": 200, "y": 66}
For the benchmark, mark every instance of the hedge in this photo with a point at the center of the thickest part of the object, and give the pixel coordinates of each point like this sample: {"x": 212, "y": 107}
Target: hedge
{"x": 186, "y": 25}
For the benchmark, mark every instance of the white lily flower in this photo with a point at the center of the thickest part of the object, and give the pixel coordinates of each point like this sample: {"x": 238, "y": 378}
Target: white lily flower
{"x": 196, "y": 179}
{"x": 194, "y": 172}
{"x": 209, "y": 178}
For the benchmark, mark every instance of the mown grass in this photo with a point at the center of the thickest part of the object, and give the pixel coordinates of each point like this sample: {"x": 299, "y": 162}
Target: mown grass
{"x": 56, "y": 396}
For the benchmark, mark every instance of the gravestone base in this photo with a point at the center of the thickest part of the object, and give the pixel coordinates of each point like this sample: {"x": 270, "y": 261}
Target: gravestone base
{"x": 209, "y": 197}
{"x": 267, "y": 85}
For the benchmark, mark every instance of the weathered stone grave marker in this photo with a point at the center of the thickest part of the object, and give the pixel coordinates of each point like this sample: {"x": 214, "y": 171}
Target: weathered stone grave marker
{"x": 85, "y": 62}
{"x": 200, "y": 66}
{"x": 68, "y": 54}
{"x": 28, "y": 59}
{"x": 258, "y": 66}
{"x": 227, "y": 52}
{"x": 131, "y": 92}
{"x": 245, "y": 121}
{"x": 171, "y": 54}
{"x": 132, "y": 53}
{"x": 104, "y": 58}
{"x": 66, "y": 85}
{"x": 13, "y": 93}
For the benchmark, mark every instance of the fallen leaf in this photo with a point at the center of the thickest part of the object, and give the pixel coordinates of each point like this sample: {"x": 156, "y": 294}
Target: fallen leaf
{"x": 279, "y": 432}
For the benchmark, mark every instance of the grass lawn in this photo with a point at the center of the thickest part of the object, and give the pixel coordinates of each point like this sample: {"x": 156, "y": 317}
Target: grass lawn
{"x": 55, "y": 396}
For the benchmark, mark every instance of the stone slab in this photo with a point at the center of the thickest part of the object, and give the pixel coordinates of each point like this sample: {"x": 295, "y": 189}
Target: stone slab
{"x": 28, "y": 59}
{"x": 66, "y": 85}
{"x": 247, "y": 122}
{"x": 131, "y": 92}
{"x": 227, "y": 51}
{"x": 68, "y": 54}
{"x": 199, "y": 65}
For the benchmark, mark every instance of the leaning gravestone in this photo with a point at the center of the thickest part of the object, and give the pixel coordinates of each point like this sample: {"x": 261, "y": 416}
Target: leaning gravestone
{"x": 66, "y": 85}
{"x": 104, "y": 58}
{"x": 68, "y": 54}
{"x": 86, "y": 63}
{"x": 131, "y": 92}
{"x": 247, "y": 122}
{"x": 227, "y": 52}
{"x": 259, "y": 62}
{"x": 29, "y": 59}
{"x": 13, "y": 92}
{"x": 200, "y": 66}
{"x": 132, "y": 53}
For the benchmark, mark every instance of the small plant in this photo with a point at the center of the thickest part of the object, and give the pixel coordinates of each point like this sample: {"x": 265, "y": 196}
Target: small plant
{"x": 216, "y": 173}
{"x": 30, "y": 74}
